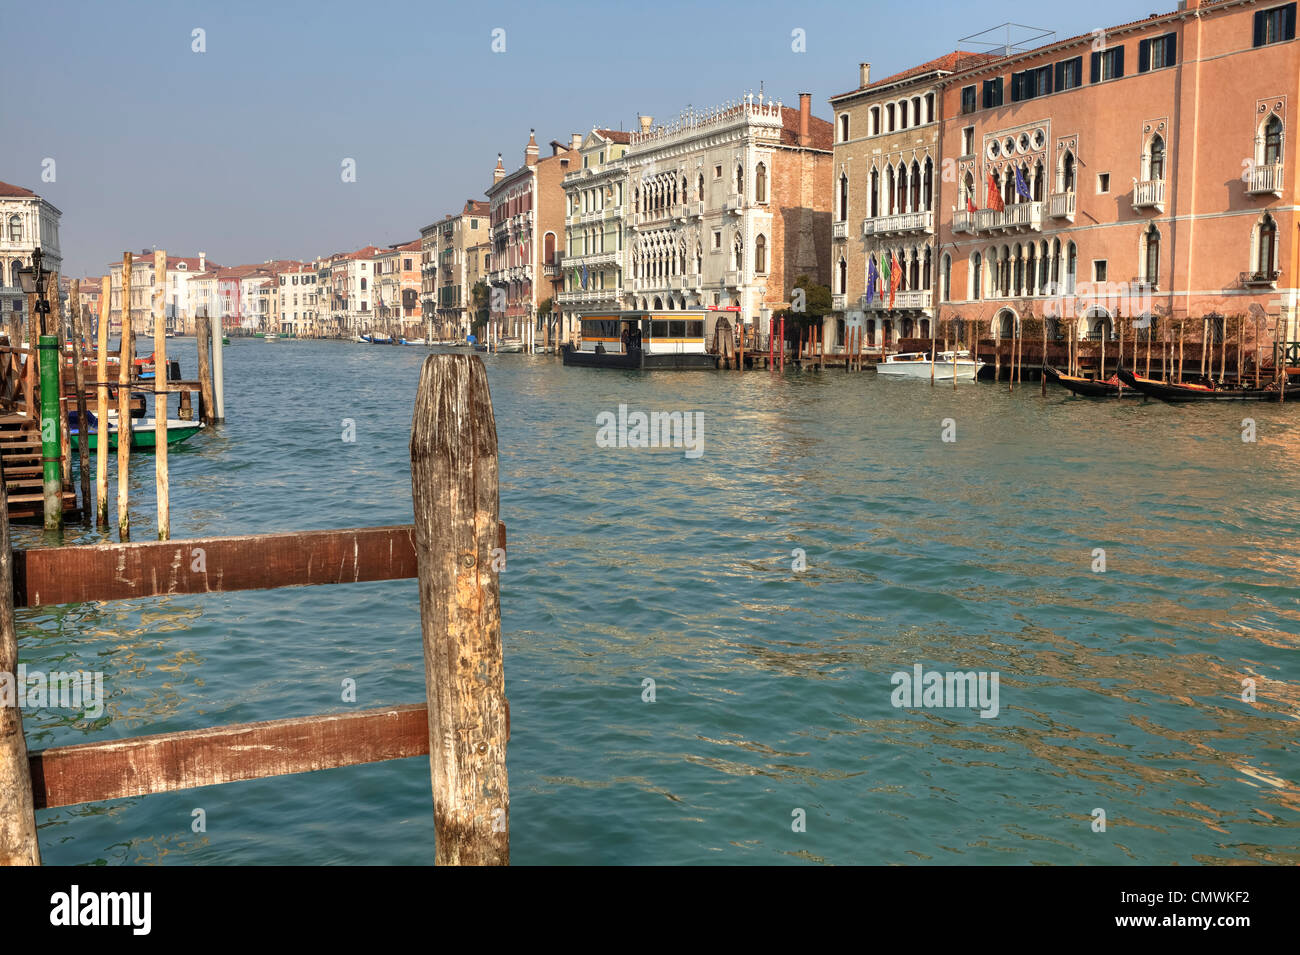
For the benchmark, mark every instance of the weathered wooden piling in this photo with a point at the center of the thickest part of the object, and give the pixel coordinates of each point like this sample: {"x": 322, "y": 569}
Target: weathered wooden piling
{"x": 203, "y": 341}
{"x": 101, "y": 404}
{"x": 79, "y": 379}
{"x": 160, "y": 395}
{"x": 218, "y": 372}
{"x": 56, "y": 327}
{"x": 18, "y": 845}
{"x": 126, "y": 358}
{"x": 455, "y": 495}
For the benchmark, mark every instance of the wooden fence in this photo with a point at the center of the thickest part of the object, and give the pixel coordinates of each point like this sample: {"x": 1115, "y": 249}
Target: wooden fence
{"x": 451, "y": 549}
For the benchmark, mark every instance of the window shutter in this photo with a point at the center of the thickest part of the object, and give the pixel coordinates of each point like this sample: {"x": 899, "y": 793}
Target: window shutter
{"x": 1096, "y": 62}
{"x": 1060, "y": 72}
{"x": 1017, "y": 85}
{"x": 1119, "y": 62}
{"x": 1171, "y": 49}
{"x": 1144, "y": 56}
{"x": 1045, "y": 81}
{"x": 1259, "y": 27}
{"x": 1288, "y": 25}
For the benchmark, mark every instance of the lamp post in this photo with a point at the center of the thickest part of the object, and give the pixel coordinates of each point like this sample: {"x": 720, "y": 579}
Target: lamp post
{"x": 32, "y": 280}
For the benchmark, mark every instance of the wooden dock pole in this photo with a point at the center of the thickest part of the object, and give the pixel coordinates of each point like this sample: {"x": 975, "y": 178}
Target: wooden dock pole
{"x": 18, "y": 844}
{"x": 79, "y": 379}
{"x": 1042, "y": 370}
{"x": 203, "y": 341}
{"x": 455, "y": 496}
{"x": 51, "y": 460}
{"x": 101, "y": 403}
{"x": 218, "y": 372}
{"x": 161, "y": 484}
{"x": 57, "y": 327}
{"x": 126, "y": 359}
{"x": 782, "y": 343}
{"x": 1182, "y": 327}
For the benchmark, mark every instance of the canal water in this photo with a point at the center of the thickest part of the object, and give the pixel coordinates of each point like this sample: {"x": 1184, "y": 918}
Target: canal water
{"x": 700, "y": 648}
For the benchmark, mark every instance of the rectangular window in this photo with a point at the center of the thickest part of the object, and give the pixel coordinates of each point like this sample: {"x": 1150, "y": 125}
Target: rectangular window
{"x": 1157, "y": 52}
{"x": 1275, "y": 25}
{"x": 1103, "y": 182}
{"x": 1029, "y": 84}
{"x": 968, "y": 141}
{"x": 717, "y": 240}
{"x": 717, "y": 172}
{"x": 473, "y": 223}
{"x": 1099, "y": 270}
{"x": 1108, "y": 64}
{"x": 968, "y": 99}
{"x": 992, "y": 93}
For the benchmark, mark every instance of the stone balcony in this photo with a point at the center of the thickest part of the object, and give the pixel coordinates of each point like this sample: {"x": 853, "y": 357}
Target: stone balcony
{"x": 1149, "y": 194}
{"x": 590, "y": 296}
{"x": 592, "y": 259}
{"x": 914, "y": 299}
{"x": 1265, "y": 180}
{"x": 839, "y": 302}
{"x": 899, "y": 224}
{"x": 1060, "y": 205}
{"x": 839, "y": 230}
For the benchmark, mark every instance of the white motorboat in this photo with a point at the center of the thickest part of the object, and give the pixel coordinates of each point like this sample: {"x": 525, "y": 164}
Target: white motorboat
{"x": 917, "y": 365}
{"x": 511, "y": 346}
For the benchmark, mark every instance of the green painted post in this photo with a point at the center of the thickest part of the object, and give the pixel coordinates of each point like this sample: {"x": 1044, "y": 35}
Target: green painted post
{"x": 51, "y": 452}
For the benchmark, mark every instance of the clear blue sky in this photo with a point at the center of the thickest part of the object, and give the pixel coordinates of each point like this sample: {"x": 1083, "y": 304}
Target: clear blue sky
{"x": 237, "y": 151}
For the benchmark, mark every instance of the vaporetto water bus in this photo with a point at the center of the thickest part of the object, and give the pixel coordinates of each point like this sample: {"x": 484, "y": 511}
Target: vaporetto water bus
{"x": 673, "y": 339}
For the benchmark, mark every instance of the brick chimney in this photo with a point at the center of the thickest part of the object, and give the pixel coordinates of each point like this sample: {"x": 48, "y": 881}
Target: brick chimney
{"x": 575, "y": 141}
{"x": 530, "y": 151}
{"x": 499, "y": 172}
{"x": 805, "y": 113}
{"x": 647, "y": 123}
{"x": 203, "y": 261}
{"x": 864, "y": 75}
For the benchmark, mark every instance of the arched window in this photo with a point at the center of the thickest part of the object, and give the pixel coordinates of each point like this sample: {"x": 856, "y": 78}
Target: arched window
{"x": 914, "y": 188}
{"x": 548, "y": 248}
{"x": 889, "y": 190}
{"x": 945, "y": 279}
{"x": 928, "y": 185}
{"x": 844, "y": 197}
{"x": 916, "y": 111}
{"x": 900, "y": 192}
{"x": 1071, "y": 268}
{"x": 842, "y": 273}
{"x": 875, "y": 192}
{"x": 925, "y": 269}
{"x": 976, "y": 277}
{"x": 1036, "y": 184}
{"x": 1266, "y": 248}
{"x": 740, "y": 180}
{"x": 699, "y": 188}
{"x": 968, "y": 191}
{"x": 844, "y": 128}
{"x": 1156, "y": 158}
{"x": 874, "y": 128}
{"x": 929, "y": 107}
{"x": 889, "y": 117}
{"x": 902, "y": 115}
{"x": 760, "y": 254}
{"x": 15, "y": 230}
{"x": 914, "y": 273}
{"x": 1273, "y": 140}
{"x": 739, "y": 249}
{"x": 1151, "y": 256}
{"x": 760, "y": 183}
{"x": 1067, "y": 172}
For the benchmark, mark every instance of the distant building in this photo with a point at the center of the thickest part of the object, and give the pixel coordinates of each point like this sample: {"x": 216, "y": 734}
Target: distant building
{"x": 397, "y": 290}
{"x": 26, "y": 222}
{"x": 298, "y": 302}
{"x": 596, "y": 221}
{"x": 352, "y": 276}
{"x": 457, "y": 250}
{"x": 178, "y": 298}
{"x": 527, "y": 220}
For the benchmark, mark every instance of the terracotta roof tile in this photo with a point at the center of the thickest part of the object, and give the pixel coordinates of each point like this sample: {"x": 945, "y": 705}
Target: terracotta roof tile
{"x": 948, "y": 63}
{"x": 15, "y": 192}
{"x": 819, "y": 130}
{"x": 616, "y": 135}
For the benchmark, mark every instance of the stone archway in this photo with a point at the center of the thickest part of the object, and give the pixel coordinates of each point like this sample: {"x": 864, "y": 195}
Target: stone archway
{"x": 1004, "y": 325}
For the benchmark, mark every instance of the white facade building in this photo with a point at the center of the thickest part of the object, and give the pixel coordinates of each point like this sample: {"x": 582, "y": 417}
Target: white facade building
{"x": 26, "y": 222}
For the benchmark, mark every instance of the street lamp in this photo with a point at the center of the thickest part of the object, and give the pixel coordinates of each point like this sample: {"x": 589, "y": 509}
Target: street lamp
{"x": 32, "y": 280}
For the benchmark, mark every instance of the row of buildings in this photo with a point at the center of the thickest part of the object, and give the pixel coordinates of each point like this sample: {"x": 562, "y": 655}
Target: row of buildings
{"x": 1142, "y": 171}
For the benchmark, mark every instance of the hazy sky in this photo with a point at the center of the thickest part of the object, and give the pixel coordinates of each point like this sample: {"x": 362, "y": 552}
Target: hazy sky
{"x": 237, "y": 151}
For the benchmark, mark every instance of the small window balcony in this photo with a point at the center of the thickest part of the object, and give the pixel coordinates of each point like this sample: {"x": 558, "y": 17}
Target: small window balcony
{"x": 1149, "y": 194}
{"x": 1265, "y": 180}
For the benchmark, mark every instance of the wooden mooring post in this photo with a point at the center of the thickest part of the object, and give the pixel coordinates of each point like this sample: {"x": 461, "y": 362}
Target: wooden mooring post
{"x": 79, "y": 380}
{"x": 203, "y": 342}
{"x": 125, "y": 360}
{"x": 160, "y": 396}
{"x": 101, "y": 404}
{"x": 455, "y": 549}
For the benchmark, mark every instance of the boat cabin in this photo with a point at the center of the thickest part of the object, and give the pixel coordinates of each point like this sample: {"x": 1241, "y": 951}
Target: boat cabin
{"x": 674, "y": 332}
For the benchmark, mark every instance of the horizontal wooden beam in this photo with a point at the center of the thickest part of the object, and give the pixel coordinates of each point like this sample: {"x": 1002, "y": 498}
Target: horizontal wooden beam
{"x": 55, "y": 575}
{"x": 93, "y": 772}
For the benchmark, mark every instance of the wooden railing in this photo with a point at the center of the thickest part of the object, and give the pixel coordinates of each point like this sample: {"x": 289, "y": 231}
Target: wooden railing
{"x": 455, "y": 550}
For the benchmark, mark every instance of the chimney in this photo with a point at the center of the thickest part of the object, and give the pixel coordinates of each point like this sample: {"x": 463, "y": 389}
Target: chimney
{"x": 805, "y": 113}
{"x": 864, "y": 75}
{"x": 499, "y": 172}
{"x": 647, "y": 123}
{"x": 575, "y": 141}
{"x": 530, "y": 151}
{"x": 203, "y": 261}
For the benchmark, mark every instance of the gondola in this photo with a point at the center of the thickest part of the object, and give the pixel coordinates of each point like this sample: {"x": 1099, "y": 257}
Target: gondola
{"x": 1090, "y": 387}
{"x": 1167, "y": 391}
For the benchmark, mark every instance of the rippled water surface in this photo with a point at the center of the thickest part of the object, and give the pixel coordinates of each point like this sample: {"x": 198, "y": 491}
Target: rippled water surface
{"x": 1119, "y": 690}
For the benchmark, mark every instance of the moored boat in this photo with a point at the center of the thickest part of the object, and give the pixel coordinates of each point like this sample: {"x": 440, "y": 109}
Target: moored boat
{"x": 143, "y": 432}
{"x": 1113, "y": 387}
{"x": 947, "y": 365}
{"x": 667, "y": 340}
{"x": 1185, "y": 392}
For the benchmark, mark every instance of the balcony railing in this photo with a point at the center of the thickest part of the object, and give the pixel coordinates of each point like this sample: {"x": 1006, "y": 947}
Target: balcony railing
{"x": 733, "y": 204}
{"x": 695, "y": 209}
{"x": 1266, "y": 279}
{"x": 903, "y": 222}
{"x": 589, "y": 296}
{"x": 1265, "y": 179}
{"x": 913, "y": 299}
{"x": 732, "y": 278}
{"x": 1061, "y": 205}
{"x": 962, "y": 221}
{"x": 839, "y": 302}
{"x": 1017, "y": 215}
{"x": 839, "y": 230}
{"x": 592, "y": 259}
{"x": 1149, "y": 194}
